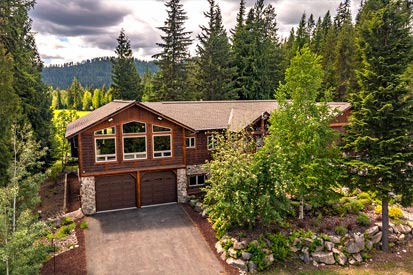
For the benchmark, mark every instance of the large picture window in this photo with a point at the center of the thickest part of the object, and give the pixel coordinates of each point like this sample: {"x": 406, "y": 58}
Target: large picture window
{"x": 162, "y": 146}
{"x": 134, "y": 127}
{"x": 134, "y": 148}
{"x": 105, "y": 149}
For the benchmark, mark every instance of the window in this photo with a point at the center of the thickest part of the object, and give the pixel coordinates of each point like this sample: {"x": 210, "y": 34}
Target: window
{"x": 190, "y": 142}
{"x": 211, "y": 142}
{"x": 134, "y": 148}
{"x": 162, "y": 146}
{"x": 160, "y": 129}
{"x": 105, "y": 149}
{"x": 133, "y": 127}
{"x": 197, "y": 180}
{"x": 107, "y": 131}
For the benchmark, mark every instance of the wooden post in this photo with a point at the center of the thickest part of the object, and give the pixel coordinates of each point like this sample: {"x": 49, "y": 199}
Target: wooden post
{"x": 138, "y": 188}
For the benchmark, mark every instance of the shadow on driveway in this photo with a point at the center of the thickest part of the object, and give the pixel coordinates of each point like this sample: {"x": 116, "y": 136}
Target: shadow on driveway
{"x": 152, "y": 241}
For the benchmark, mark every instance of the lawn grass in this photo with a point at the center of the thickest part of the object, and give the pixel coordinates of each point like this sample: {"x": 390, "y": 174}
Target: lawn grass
{"x": 79, "y": 113}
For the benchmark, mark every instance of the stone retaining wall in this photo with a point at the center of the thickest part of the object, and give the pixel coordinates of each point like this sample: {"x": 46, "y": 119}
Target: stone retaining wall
{"x": 88, "y": 195}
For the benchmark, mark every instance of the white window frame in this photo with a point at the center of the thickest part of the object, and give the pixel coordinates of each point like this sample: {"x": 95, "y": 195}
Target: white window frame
{"x": 191, "y": 144}
{"x": 105, "y": 156}
{"x": 136, "y": 155}
{"x": 139, "y": 133}
{"x": 197, "y": 184}
{"x": 104, "y": 135}
{"x": 164, "y": 151}
{"x": 209, "y": 142}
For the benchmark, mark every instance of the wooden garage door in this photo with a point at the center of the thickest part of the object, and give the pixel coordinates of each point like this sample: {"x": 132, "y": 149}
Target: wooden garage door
{"x": 115, "y": 192}
{"x": 158, "y": 187}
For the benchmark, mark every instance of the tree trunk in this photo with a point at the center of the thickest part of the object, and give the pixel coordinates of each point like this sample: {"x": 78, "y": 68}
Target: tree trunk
{"x": 385, "y": 224}
{"x": 301, "y": 210}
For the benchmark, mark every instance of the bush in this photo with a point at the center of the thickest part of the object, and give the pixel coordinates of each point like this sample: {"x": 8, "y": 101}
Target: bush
{"x": 67, "y": 221}
{"x": 83, "y": 225}
{"x": 395, "y": 213}
{"x": 280, "y": 245}
{"x": 377, "y": 210}
{"x": 355, "y": 206}
{"x": 363, "y": 220}
{"x": 340, "y": 230}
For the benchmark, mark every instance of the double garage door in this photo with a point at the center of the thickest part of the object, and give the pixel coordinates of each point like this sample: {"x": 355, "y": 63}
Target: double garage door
{"x": 121, "y": 191}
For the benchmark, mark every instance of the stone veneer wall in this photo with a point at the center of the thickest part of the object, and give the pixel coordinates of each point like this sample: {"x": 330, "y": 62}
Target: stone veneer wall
{"x": 88, "y": 195}
{"x": 195, "y": 170}
{"x": 181, "y": 185}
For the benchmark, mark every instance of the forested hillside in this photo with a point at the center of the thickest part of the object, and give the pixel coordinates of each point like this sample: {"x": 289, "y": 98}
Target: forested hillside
{"x": 92, "y": 73}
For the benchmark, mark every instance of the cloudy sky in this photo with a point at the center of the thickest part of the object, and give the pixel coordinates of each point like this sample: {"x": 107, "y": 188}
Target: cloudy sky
{"x": 75, "y": 30}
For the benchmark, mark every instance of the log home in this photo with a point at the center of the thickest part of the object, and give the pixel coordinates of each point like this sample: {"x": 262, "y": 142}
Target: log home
{"x": 134, "y": 154}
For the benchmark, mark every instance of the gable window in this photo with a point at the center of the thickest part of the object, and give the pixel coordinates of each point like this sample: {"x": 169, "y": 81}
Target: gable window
{"x": 211, "y": 142}
{"x": 162, "y": 146}
{"x": 134, "y": 147}
{"x": 134, "y": 127}
{"x": 105, "y": 149}
{"x": 104, "y": 132}
{"x": 190, "y": 142}
{"x": 197, "y": 180}
{"x": 160, "y": 129}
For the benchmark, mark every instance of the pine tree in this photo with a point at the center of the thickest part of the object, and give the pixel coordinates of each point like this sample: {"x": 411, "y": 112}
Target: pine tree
{"x": 126, "y": 82}
{"x": 215, "y": 72}
{"x": 75, "y": 95}
{"x": 19, "y": 44}
{"x": 257, "y": 53}
{"x": 171, "y": 81}
{"x": 381, "y": 125}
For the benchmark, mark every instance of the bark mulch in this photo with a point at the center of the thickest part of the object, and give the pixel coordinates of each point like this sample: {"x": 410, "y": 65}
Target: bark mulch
{"x": 72, "y": 262}
{"x": 209, "y": 235}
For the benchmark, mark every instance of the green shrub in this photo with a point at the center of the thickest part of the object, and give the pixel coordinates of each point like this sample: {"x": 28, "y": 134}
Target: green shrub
{"x": 67, "y": 221}
{"x": 258, "y": 256}
{"x": 279, "y": 245}
{"x": 363, "y": 220}
{"x": 340, "y": 230}
{"x": 395, "y": 213}
{"x": 364, "y": 196}
{"x": 83, "y": 225}
{"x": 377, "y": 210}
{"x": 355, "y": 206}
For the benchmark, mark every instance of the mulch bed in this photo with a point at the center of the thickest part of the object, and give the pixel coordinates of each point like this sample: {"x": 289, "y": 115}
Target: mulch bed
{"x": 72, "y": 262}
{"x": 209, "y": 235}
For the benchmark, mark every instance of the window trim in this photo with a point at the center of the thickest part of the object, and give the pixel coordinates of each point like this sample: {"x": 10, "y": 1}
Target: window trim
{"x": 140, "y": 133}
{"x": 213, "y": 144}
{"x": 104, "y": 135}
{"x": 105, "y": 155}
{"x": 193, "y": 145}
{"x": 164, "y": 151}
{"x": 160, "y": 132}
{"x": 196, "y": 185}
{"x": 134, "y": 153}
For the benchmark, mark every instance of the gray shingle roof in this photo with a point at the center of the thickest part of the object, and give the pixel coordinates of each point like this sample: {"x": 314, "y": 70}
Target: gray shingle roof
{"x": 195, "y": 115}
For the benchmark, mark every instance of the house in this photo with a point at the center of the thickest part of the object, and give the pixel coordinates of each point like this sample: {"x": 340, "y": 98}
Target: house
{"x": 134, "y": 154}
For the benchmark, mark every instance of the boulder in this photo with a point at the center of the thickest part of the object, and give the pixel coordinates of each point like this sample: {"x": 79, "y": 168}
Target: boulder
{"x": 293, "y": 249}
{"x": 329, "y": 245}
{"x": 237, "y": 263}
{"x": 356, "y": 244}
{"x": 369, "y": 244}
{"x": 324, "y": 257}
{"x": 404, "y": 229}
{"x": 306, "y": 257}
{"x": 193, "y": 202}
{"x": 393, "y": 238}
{"x": 232, "y": 253}
{"x": 204, "y": 213}
{"x": 240, "y": 245}
{"x": 401, "y": 237}
{"x": 219, "y": 247}
{"x": 252, "y": 267}
{"x": 269, "y": 259}
{"x": 372, "y": 231}
{"x": 358, "y": 257}
{"x": 341, "y": 258}
{"x": 352, "y": 261}
{"x": 377, "y": 238}
{"x": 246, "y": 256}
{"x": 198, "y": 207}
{"x": 308, "y": 242}
{"x": 335, "y": 239}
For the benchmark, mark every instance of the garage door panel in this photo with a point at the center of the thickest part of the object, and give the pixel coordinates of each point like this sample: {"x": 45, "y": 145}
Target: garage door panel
{"x": 158, "y": 187}
{"x": 115, "y": 192}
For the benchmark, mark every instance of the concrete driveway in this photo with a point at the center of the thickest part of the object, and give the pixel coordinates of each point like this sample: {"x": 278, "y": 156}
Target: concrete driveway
{"x": 152, "y": 241}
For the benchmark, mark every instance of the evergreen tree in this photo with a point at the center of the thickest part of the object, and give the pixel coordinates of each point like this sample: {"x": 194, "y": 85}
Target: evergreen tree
{"x": 171, "y": 81}
{"x": 97, "y": 100}
{"x": 126, "y": 80}
{"x": 19, "y": 44}
{"x": 257, "y": 53}
{"x": 75, "y": 95}
{"x": 381, "y": 125}
{"x": 87, "y": 101}
{"x": 215, "y": 74}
